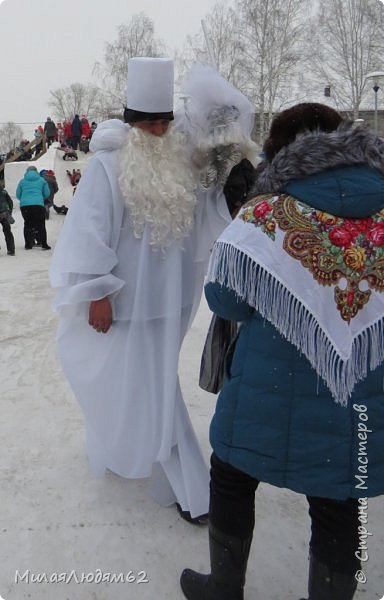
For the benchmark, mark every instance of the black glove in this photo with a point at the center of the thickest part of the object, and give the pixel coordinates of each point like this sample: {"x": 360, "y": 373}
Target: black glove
{"x": 238, "y": 184}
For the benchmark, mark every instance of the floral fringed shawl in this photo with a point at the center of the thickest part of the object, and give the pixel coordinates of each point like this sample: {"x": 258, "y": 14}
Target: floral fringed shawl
{"x": 318, "y": 278}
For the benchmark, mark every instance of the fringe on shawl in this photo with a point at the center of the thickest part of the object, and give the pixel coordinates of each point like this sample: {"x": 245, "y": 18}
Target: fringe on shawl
{"x": 231, "y": 267}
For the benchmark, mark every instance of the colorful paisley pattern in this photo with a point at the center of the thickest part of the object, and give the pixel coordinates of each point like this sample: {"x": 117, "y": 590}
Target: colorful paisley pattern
{"x": 330, "y": 247}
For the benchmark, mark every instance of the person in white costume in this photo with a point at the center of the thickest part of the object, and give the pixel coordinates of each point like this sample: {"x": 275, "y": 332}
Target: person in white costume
{"x": 129, "y": 264}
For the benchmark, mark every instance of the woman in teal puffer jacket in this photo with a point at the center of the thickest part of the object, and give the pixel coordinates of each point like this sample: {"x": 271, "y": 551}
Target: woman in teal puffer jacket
{"x": 32, "y": 190}
{"x": 302, "y": 407}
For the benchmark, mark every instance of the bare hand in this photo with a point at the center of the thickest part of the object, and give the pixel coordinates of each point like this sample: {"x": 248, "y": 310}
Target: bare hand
{"x": 100, "y": 315}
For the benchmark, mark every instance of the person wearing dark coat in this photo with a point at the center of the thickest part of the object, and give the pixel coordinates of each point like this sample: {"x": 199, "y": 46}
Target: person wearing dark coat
{"x": 302, "y": 405}
{"x": 50, "y": 178}
{"x": 76, "y": 132}
{"x": 6, "y": 208}
{"x": 50, "y": 131}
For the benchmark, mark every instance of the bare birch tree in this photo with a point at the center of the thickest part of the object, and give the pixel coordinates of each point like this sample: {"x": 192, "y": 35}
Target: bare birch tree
{"x": 77, "y": 99}
{"x": 10, "y": 136}
{"x": 256, "y": 44}
{"x": 135, "y": 38}
{"x": 223, "y": 49}
{"x": 348, "y": 39}
{"x": 271, "y": 33}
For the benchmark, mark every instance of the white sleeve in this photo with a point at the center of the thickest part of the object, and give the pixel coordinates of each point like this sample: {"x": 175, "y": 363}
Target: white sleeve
{"x": 85, "y": 253}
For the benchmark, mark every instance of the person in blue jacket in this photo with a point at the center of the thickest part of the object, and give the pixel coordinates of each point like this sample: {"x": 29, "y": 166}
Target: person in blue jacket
{"x": 32, "y": 190}
{"x": 302, "y": 405}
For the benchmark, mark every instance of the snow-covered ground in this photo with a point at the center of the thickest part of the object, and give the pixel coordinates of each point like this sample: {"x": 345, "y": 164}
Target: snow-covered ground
{"x": 57, "y": 522}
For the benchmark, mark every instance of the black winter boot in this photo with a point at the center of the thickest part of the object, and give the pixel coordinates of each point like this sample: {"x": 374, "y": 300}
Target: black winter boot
{"x": 229, "y": 557}
{"x": 325, "y": 584}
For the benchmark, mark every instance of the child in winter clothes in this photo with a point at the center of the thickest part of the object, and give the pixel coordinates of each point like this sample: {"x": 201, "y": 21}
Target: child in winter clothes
{"x": 60, "y": 134}
{"x": 74, "y": 177}
{"x": 67, "y": 133}
{"x": 6, "y": 207}
{"x": 85, "y": 128}
{"x": 93, "y": 128}
{"x": 50, "y": 178}
{"x": 69, "y": 152}
{"x": 84, "y": 144}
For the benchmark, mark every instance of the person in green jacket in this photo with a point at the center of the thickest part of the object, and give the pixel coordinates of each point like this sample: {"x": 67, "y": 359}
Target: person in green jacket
{"x": 32, "y": 190}
{"x": 6, "y": 207}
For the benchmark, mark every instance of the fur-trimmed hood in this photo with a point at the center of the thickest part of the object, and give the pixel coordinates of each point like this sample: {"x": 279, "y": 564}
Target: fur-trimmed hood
{"x": 340, "y": 172}
{"x": 315, "y": 151}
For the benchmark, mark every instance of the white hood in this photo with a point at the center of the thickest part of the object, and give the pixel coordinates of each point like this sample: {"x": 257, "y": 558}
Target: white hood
{"x": 109, "y": 135}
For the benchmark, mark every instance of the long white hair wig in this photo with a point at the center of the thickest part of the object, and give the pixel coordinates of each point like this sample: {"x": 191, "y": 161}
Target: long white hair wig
{"x": 158, "y": 182}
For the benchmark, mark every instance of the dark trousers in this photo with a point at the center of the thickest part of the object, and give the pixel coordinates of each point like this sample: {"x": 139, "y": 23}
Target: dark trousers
{"x": 75, "y": 141}
{"x": 34, "y": 225}
{"x": 38, "y": 148}
{"x": 334, "y": 524}
{"x": 9, "y": 240}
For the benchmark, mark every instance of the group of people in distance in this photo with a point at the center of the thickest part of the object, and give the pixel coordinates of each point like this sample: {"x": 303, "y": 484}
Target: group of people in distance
{"x": 35, "y": 191}
{"x": 71, "y": 134}
{"x": 76, "y": 133}
{"x": 292, "y": 251}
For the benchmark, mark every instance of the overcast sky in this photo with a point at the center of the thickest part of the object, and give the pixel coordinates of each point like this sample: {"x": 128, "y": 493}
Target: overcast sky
{"x": 48, "y": 44}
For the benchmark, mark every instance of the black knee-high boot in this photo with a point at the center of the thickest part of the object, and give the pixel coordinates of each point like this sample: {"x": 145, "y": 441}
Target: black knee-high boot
{"x": 229, "y": 557}
{"x": 325, "y": 584}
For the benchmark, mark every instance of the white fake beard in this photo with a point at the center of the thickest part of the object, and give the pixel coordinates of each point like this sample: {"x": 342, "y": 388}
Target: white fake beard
{"x": 158, "y": 182}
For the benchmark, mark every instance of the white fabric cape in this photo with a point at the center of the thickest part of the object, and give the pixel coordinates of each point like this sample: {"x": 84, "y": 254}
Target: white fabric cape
{"x": 126, "y": 380}
{"x": 285, "y": 293}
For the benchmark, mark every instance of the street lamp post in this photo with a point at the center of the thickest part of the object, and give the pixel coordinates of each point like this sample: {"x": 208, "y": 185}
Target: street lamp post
{"x": 376, "y": 88}
{"x": 376, "y": 76}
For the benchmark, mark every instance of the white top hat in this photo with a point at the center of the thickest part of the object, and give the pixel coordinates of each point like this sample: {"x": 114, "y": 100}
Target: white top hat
{"x": 150, "y": 85}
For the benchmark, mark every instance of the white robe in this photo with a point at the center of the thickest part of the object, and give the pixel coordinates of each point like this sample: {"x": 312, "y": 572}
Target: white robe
{"x": 126, "y": 381}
